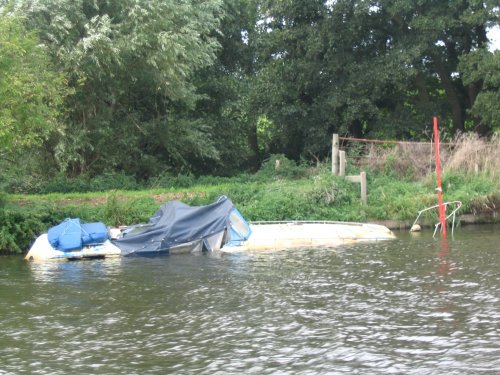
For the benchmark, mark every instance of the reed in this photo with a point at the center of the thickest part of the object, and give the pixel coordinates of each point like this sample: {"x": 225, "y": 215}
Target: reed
{"x": 475, "y": 155}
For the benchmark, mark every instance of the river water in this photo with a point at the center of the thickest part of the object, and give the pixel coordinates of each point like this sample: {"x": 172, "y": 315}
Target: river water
{"x": 415, "y": 305}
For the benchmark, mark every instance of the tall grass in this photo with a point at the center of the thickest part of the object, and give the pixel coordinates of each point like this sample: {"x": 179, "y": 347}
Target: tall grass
{"x": 475, "y": 155}
{"x": 467, "y": 153}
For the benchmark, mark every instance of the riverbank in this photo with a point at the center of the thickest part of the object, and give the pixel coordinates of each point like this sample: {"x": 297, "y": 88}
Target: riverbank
{"x": 286, "y": 194}
{"x": 461, "y": 219}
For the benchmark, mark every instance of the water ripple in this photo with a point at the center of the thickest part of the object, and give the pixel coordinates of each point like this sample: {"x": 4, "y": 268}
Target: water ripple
{"x": 389, "y": 308}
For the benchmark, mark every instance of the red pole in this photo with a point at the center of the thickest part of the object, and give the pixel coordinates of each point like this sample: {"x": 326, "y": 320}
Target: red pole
{"x": 442, "y": 215}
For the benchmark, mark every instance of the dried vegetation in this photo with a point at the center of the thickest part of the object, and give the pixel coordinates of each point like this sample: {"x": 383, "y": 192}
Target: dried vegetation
{"x": 468, "y": 153}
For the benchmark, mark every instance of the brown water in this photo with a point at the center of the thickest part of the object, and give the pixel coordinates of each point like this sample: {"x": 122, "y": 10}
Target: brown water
{"x": 415, "y": 305}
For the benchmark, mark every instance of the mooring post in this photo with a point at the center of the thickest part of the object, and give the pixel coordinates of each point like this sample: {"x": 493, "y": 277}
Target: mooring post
{"x": 342, "y": 163}
{"x": 335, "y": 154}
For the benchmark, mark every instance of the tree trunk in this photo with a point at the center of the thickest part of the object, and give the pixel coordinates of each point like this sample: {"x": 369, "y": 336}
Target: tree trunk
{"x": 452, "y": 96}
{"x": 423, "y": 92}
{"x": 356, "y": 129}
{"x": 254, "y": 148}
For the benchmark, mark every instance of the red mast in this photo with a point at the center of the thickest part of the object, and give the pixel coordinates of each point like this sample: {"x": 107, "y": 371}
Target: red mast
{"x": 442, "y": 208}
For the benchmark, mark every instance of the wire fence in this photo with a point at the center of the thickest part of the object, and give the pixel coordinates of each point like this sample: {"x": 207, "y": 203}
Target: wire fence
{"x": 467, "y": 153}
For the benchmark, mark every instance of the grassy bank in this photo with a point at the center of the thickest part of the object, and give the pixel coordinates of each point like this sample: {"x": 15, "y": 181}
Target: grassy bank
{"x": 289, "y": 192}
{"x": 319, "y": 196}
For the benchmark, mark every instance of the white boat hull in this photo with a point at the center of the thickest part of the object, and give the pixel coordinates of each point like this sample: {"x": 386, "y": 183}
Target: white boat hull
{"x": 265, "y": 236}
{"x": 287, "y": 235}
{"x": 43, "y": 250}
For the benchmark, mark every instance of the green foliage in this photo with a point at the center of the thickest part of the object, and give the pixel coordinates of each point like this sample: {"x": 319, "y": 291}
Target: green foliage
{"x": 279, "y": 166}
{"x": 18, "y": 229}
{"x": 466, "y": 187}
{"x": 485, "y": 204}
{"x": 60, "y": 183}
{"x": 31, "y": 91}
{"x": 214, "y": 87}
{"x": 131, "y": 65}
{"x": 112, "y": 181}
{"x": 399, "y": 199}
{"x": 320, "y": 196}
{"x": 3, "y": 199}
{"x": 484, "y": 66}
{"x": 118, "y": 212}
{"x": 329, "y": 190}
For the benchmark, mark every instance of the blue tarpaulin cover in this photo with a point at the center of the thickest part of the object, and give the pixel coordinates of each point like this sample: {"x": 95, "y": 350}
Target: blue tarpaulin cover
{"x": 71, "y": 234}
{"x": 176, "y": 223}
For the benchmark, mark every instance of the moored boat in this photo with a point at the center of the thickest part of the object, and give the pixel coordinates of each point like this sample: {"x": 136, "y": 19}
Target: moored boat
{"x": 179, "y": 228}
{"x": 174, "y": 228}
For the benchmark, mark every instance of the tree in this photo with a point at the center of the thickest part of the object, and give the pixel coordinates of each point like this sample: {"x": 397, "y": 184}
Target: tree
{"x": 367, "y": 67}
{"x": 483, "y": 66}
{"x": 31, "y": 91}
{"x": 131, "y": 64}
{"x": 434, "y": 36}
{"x": 226, "y": 88}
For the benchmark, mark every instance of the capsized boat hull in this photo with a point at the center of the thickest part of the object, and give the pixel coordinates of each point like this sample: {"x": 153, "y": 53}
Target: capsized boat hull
{"x": 299, "y": 234}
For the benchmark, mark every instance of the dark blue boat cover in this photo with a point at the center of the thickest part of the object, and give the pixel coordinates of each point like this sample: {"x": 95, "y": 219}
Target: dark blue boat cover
{"x": 176, "y": 223}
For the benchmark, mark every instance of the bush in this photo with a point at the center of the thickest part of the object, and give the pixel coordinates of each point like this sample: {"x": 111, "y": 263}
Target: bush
{"x": 3, "y": 199}
{"x": 62, "y": 184}
{"x": 278, "y": 166}
{"x": 168, "y": 181}
{"x": 113, "y": 181}
{"x": 19, "y": 229}
{"x": 118, "y": 212}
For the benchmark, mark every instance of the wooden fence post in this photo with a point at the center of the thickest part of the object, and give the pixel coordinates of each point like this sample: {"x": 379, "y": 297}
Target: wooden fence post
{"x": 335, "y": 154}
{"x": 362, "y": 176}
{"x": 338, "y": 168}
{"x": 342, "y": 163}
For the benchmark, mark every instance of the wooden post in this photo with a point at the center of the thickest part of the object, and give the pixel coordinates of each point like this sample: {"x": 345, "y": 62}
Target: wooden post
{"x": 362, "y": 176}
{"x": 361, "y": 179}
{"x": 342, "y": 163}
{"x": 335, "y": 154}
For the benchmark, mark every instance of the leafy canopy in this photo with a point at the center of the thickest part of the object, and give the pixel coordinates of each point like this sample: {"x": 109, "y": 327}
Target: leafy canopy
{"x": 131, "y": 64}
{"x": 31, "y": 91}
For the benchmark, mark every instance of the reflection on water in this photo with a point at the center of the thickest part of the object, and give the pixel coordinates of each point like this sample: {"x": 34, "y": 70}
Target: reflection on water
{"x": 73, "y": 271}
{"x": 415, "y": 305}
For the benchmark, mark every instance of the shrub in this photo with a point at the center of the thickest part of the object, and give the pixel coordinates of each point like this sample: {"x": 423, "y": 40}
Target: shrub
{"x": 113, "y": 181}
{"x": 3, "y": 199}
{"x": 331, "y": 190}
{"x": 166, "y": 180}
{"x": 18, "y": 229}
{"x": 62, "y": 184}
{"x": 278, "y": 166}
{"x": 489, "y": 204}
{"x": 118, "y": 212}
